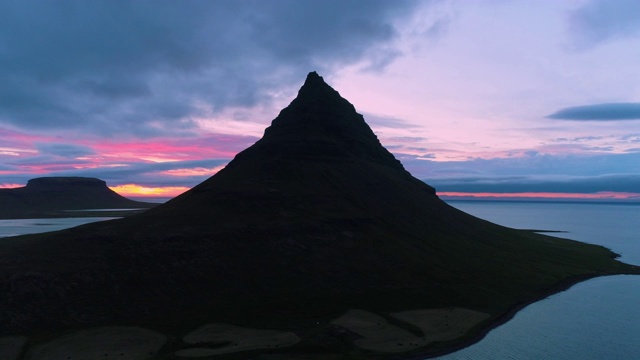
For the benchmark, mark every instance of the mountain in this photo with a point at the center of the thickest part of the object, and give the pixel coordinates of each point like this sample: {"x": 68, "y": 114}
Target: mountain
{"x": 314, "y": 219}
{"x": 55, "y": 196}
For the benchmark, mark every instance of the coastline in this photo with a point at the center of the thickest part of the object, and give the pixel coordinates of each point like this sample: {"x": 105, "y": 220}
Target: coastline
{"x": 562, "y": 286}
{"x": 481, "y": 331}
{"x": 59, "y": 214}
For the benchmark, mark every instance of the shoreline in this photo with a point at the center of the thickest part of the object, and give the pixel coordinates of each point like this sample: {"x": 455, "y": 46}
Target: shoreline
{"x": 560, "y": 287}
{"x": 69, "y": 214}
{"x": 482, "y": 331}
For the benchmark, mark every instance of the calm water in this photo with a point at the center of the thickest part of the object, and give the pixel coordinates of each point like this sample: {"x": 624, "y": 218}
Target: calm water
{"x": 15, "y": 227}
{"x": 596, "y": 319}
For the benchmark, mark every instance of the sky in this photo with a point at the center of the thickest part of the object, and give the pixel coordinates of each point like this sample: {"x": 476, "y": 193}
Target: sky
{"x": 477, "y": 98}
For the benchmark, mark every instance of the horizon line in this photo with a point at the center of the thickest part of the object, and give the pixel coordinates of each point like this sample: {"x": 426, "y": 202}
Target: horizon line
{"x": 601, "y": 195}
{"x": 142, "y": 191}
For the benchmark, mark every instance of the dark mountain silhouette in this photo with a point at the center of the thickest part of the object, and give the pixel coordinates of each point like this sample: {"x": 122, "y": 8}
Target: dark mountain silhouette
{"x": 54, "y": 196}
{"x": 313, "y": 219}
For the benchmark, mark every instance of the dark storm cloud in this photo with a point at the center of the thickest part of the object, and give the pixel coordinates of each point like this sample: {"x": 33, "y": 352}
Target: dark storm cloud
{"x": 600, "y": 20}
{"x": 599, "y": 112}
{"x": 150, "y": 67}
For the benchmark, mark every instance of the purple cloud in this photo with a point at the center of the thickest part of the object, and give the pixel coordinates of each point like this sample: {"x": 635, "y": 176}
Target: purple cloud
{"x": 149, "y": 68}
{"x": 598, "y": 21}
{"x": 599, "y": 112}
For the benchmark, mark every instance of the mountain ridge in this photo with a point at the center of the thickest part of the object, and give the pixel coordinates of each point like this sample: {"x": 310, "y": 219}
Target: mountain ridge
{"x": 314, "y": 219}
{"x": 55, "y": 196}
{"x": 333, "y": 116}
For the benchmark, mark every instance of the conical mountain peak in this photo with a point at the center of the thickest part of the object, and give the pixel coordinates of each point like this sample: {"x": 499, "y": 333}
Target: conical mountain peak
{"x": 314, "y": 81}
{"x": 319, "y": 102}
{"x": 314, "y": 220}
{"x": 321, "y": 124}
{"x": 318, "y": 145}
{"x": 316, "y": 89}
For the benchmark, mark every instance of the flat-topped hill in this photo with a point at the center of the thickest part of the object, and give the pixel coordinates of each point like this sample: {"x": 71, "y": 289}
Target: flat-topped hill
{"x": 55, "y": 196}
{"x": 316, "y": 229}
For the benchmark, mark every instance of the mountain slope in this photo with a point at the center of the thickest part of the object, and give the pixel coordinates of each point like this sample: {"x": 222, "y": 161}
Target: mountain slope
{"x": 312, "y": 220}
{"x": 52, "y": 196}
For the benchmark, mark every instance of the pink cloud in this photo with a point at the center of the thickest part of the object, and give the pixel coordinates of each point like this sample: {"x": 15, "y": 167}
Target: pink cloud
{"x": 25, "y": 155}
{"x": 162, "y": 150}
{"x": 198, "y": 171}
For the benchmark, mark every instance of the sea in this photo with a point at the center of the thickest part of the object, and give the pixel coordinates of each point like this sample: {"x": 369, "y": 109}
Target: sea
{"x": 595, "y": 319}
{"x": 14, "y": 227}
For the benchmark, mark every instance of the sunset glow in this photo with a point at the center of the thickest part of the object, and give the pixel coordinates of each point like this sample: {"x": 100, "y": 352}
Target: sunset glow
{"x": 199, "y": 171}
{"x": 470, "y": 96}
{"x": 10, "y": 186}
{"x": 133, "y": 190}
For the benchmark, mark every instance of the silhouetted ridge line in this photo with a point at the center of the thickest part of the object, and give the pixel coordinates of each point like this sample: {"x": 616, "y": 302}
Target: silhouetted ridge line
{"x": 318, "y": 125}
{"x": 53, "y": 196}
{"x": 314, "y": 219}
{"x": 59, "y": 183}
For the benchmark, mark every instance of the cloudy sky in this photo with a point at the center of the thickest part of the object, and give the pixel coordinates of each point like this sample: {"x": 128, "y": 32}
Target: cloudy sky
{"x": 532, "y": 98}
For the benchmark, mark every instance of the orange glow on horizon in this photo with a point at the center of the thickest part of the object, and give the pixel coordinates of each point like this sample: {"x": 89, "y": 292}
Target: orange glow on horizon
{"x": 10, "y": 186}
{"x": 141, "y": 191}
{"x": 199, "y": 171}
{"x": 604, "y": 195}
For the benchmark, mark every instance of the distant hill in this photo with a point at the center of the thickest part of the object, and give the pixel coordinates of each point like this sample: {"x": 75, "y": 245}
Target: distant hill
{"x": 56, "y": 196}
{"x": 315, "y": 219}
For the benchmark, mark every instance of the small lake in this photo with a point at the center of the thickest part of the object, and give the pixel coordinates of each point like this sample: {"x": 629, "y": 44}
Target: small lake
{"x": 595, "y": 319}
